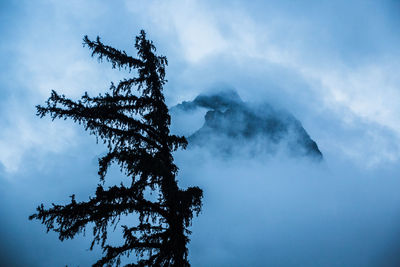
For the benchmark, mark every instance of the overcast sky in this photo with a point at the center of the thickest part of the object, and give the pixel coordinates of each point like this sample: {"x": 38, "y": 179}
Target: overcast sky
{"x": 333, "y": 64}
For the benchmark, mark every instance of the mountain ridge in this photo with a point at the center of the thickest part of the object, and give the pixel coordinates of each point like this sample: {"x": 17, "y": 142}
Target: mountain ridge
{"x": 231, "y": 123}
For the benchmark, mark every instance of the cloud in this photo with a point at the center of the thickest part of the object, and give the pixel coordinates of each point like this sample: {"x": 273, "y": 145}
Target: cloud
{"x": 347, "y": 70}
{"x": 332, "y": 64}
{"x": 193, "y": 25}
{"x": 45, "y": 55}
{"x": 260, "y": 54}
{"x": 284, "y": 212}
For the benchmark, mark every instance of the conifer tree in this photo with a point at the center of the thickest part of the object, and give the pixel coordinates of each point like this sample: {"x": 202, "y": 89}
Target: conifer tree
{"x": 133, "y": 121}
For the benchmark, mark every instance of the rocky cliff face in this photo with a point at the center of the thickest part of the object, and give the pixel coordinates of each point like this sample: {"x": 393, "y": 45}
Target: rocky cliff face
{"x": 231, "y": 125}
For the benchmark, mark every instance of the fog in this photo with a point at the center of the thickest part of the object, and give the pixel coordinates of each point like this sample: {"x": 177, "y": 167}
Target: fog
{"x": 276, "y": 209}
{"x": 258, "y": 210}
{"x": 332, "y": 65}
{"x": 284, "y": 212}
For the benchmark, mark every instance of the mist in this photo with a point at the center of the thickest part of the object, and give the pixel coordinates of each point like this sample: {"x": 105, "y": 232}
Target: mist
{"x": 332, "y": 65}
{"x": 277, "y": 209}
{"x": 284, "y": 212}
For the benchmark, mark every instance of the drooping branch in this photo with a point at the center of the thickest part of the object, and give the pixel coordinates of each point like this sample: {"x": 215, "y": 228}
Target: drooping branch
{"x": 117, "y": 58}
{"x": 71, "y": 219}
{"x": 100, "y": 114}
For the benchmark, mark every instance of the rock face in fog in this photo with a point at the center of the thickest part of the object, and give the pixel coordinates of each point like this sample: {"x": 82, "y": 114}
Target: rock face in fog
{"x": 233, "y": 126}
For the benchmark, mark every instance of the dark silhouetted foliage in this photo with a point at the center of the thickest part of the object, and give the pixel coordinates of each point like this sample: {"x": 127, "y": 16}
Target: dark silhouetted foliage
{"x": 133, "y": 120}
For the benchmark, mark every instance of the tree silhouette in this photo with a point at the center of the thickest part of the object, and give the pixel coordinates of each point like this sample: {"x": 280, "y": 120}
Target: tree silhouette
{"x": 135, "y": 128}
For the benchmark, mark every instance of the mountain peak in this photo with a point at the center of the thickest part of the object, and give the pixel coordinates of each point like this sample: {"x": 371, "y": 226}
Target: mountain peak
{"x": 230, "y": 123}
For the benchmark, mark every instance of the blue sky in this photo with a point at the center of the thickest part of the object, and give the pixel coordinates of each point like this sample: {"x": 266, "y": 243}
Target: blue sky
{"x": 333, "y": 64}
